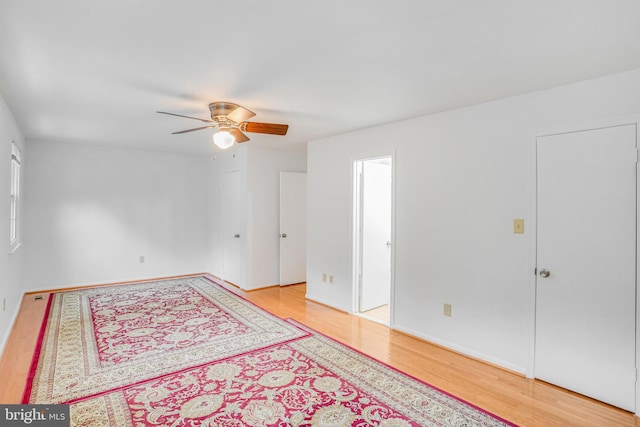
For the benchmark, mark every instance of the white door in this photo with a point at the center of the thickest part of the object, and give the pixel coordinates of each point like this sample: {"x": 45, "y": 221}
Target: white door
{"x": 233, "y": 228}
{"x": 293, "y": 228}
{"x": 586, "y": 263}
{"x": 375, "y": 287}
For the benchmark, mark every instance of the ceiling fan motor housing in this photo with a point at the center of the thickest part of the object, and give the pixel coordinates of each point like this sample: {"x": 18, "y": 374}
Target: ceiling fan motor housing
{"x": 221, "y": 109}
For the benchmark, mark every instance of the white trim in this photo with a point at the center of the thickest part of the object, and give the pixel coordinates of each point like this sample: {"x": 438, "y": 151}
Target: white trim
{"x": 465, "y": 351}
{"x": 531, "y": 235}
{"x": 637, "y": 411}
{"x": 15, "y": 203}
{"x": 356, "y": 219}
{"x": 355, "y": 261}
{"x": 392, "y": 303}
{"x": 13, "y": 248}
{"x": 583, "y": 126}
{"x": 330, "y": 304}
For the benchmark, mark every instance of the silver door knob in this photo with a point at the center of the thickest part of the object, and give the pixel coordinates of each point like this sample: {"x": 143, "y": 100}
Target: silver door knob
{"x": 545, "y": 273}
{"x": 237, "y": 236}
{"x": 283, "y": 235}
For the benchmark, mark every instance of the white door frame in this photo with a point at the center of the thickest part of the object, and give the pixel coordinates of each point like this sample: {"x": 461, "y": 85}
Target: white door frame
{"x": 531, "y": 229}
{"x": 355, "y": 247}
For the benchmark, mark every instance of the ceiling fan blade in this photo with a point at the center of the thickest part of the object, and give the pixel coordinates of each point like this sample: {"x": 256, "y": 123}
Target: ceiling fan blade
{"x": 239, "y": 136}
{"x": 191, "y": 130}
{"x": 186, "y": 117}
{"x": 270, "y": 128}
{"x": 240, "y": 114}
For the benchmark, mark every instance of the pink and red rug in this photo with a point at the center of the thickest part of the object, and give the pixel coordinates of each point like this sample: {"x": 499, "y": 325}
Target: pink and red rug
{"x": 187, "y": 352}
{"x": 99, "y": 339}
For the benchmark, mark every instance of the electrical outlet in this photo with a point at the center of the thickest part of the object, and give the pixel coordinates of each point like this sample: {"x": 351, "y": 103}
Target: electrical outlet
{"x": 141, "y": 259}
{"x": 331, "y": 278}
{"x": 4, "y": 304}
{"x": 324, "y": 277}
{"x": 447, "y": 310}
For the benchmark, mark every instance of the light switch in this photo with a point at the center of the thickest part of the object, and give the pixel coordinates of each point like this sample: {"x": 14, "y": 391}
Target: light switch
{"x": 518, "y": 226}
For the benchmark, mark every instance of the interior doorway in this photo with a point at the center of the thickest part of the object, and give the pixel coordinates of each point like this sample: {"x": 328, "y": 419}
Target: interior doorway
{"x": 373, "y": 238}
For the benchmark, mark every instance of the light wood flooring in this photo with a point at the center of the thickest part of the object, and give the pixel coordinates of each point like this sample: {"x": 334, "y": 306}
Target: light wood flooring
{"x": 380, "y": 314}
{"x": 522, "y": 401}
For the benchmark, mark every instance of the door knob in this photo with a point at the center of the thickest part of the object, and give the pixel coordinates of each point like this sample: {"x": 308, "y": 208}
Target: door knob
{"x": 283, "y": 235}
{"x": 237, "y": 236}
{"x": 388, "y": 244}
{"x": 545, "y": 273}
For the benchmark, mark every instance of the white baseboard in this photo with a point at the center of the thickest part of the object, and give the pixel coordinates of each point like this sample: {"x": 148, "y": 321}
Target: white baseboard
{"x": 313, "y": 298}
{"x": 466, "y": 351}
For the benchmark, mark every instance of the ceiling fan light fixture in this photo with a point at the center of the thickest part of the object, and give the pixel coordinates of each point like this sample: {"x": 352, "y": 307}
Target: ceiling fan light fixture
{"x": 223, "y": 139}
{"x": 230, "y": 119}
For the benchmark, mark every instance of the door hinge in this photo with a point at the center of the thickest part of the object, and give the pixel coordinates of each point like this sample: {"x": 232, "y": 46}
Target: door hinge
{"x": 535, "y": 271}
{"x": 637, "y": 154}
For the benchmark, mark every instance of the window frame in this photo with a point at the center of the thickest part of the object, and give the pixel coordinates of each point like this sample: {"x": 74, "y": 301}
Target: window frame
{"x": 14, "y": 198}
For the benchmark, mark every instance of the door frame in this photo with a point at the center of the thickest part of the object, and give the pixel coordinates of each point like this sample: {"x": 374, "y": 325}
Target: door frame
{"x": 531, "y": 229}
{"x": 355, "y": 235}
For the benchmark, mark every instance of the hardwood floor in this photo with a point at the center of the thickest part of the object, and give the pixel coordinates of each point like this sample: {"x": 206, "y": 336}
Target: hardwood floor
{"x": 522, "y": 401}
{"x": 380, "y": 314}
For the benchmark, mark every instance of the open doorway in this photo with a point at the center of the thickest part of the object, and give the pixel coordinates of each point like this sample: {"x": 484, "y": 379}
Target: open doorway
{"x": 372, "y": 238}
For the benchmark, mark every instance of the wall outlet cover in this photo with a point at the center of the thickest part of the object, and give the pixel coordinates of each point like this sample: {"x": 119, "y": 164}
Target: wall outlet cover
{"x": 447, "y": 310}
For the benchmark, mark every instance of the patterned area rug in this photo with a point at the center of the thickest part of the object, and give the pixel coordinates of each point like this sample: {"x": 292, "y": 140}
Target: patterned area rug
{"x": 313, "y": 381}
{"x": 187, "y": 352}
{"x": 100, "y": 339}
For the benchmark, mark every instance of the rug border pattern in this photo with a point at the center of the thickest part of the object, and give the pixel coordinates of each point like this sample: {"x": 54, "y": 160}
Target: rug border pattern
{"x": 396, "y": 372}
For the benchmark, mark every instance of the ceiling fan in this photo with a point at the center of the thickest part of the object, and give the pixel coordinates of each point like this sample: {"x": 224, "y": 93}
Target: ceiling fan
{"x": 231, "y": 120}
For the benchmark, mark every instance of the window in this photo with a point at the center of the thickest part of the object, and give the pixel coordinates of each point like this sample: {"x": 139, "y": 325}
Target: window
{"x": 14, "y": 196}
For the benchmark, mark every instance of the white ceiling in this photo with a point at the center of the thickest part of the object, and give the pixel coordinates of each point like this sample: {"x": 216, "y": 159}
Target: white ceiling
{"x": 92, "y": 71}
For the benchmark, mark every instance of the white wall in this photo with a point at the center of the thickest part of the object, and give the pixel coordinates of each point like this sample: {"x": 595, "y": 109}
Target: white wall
{"x": 261, "y": 169}
{"x": 91, "y": 212}
{"x": 264, "y": 169}
{"x": 461, "y": 178}
{"x": 11, "y": 265}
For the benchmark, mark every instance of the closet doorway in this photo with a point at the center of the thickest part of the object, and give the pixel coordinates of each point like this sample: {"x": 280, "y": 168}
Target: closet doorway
{"x": 586, "y": 254}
